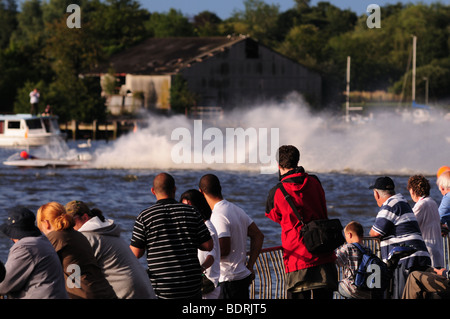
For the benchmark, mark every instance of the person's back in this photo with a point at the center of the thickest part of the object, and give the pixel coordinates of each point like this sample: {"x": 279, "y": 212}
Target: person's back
{"x": 397, "y": 225}
{"x": 74, "y": 249}
{"x": 171, "y": 233}
{"x": 427, "y": 214}
{"x": 349, "y": 257}
{"x": 231, "y": 221}
{"x": 305, "y": 271}
{"x": 233, "y": 227}
{"x": 121, "y": 268}
{"x": 443, "y": 182}
{"x": 308, "y": 196}
{"x": 33, "y": 271}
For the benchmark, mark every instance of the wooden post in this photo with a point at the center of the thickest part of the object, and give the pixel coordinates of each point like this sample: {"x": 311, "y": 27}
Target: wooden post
{"x": 74, "y": 129}
{"x": 115, "y": 127}
{"x": 94, "y": 129}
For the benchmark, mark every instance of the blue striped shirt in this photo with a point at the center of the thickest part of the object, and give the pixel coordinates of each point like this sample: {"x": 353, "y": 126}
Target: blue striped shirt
{"x": 398, "y": 225}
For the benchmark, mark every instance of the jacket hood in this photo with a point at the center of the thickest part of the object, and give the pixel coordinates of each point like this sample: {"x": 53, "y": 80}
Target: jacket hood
{"x": 297, "y": 178}
{"x": 107, "y": 227}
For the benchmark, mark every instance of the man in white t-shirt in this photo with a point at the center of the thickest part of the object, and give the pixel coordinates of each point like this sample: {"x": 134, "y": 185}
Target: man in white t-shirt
{"x": 233, "y": 227}
{"x": 34, "y": 101}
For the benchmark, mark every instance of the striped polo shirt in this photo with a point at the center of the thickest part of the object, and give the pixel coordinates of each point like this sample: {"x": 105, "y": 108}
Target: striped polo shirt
{"x": 171, "y": 232}
{"x": 398, "y": 225}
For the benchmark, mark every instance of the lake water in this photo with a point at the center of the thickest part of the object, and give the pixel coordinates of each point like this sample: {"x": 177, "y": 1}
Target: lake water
{"x": 347, "y": 159}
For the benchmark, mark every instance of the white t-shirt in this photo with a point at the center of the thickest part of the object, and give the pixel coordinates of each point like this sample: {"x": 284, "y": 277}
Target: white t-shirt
{"x": 427, "y": 215}
{"x": 231, "y": 221}
{"x": 34, "y": 97}
{"x": 212, "y": 272}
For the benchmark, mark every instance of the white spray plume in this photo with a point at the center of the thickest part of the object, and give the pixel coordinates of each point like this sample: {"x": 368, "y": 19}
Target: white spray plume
{"x": 385, "y": 143}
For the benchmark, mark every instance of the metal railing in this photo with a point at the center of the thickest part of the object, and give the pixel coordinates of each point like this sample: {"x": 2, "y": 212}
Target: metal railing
{"x": 269, "y": 280}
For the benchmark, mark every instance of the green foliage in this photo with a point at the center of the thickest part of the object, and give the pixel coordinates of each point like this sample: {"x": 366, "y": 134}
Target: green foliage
{"x": 8, "y": 21}
{"x": 172, "y": 24}
{"x": 22, "y": 103}
{"x": 180, "y": 95}
{"x": 206, "y": 24}
{"x": 258, "y": 20}
{"x": 37, "y": 48}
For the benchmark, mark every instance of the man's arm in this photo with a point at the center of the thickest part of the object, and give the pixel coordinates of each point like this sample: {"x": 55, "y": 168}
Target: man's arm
{"x": 256, "y": 242}
{"x": 373, "y": 233}
{"x": 207, "y": 245}
{"x": 225, "y": 246}
{"x": 138, "y": 252}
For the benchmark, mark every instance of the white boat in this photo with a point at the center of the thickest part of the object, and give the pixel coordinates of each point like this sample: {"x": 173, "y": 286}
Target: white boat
{"x": 26, "y": 130}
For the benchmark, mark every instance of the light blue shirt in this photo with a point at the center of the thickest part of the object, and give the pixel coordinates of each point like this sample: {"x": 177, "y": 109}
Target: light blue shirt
{"x": 444, "y": 209}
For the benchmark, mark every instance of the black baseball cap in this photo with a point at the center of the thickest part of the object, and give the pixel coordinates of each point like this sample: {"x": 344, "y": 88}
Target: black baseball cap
{"x": 383, "y": 183}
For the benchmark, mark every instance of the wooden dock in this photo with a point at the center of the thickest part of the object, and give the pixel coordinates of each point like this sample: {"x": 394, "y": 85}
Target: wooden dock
{"x": 95, "y": 130}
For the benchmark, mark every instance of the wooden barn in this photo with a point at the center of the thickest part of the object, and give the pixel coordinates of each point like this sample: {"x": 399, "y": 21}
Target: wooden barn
{"x": 225, "y": 72}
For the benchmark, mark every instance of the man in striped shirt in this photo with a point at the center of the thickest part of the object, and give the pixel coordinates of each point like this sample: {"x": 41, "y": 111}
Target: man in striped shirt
{"x": 171, "y": 232}
{"x": 397, "y": 225}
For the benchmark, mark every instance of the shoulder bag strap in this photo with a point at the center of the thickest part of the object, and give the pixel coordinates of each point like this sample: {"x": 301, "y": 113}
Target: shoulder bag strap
{"x": 290, "y": 202}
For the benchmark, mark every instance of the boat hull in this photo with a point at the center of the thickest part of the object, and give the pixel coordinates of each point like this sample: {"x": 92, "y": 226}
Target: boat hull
{"x": 45, "y": 163}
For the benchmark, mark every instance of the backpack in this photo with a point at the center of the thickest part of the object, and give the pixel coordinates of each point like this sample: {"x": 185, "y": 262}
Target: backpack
{"x": 372, "y": 272}
{"x": 320, "y": 235}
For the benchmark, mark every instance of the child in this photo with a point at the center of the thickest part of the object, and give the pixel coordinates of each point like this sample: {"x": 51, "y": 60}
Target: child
{"x": 349, "y": 257}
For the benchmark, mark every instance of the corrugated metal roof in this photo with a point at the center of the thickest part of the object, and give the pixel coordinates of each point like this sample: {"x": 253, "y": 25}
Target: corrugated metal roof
{"x": 160, "y": 56}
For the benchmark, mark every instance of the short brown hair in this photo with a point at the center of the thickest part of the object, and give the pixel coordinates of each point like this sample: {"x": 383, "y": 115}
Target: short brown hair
{"x": 356, "y": 228}
{"x": 210, "y": 185}
{"x": 288, "y": 156}
{"x": 419, "y": 185}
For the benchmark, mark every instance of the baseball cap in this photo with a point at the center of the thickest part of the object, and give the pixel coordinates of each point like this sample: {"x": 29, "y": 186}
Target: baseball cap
{"x": 383, "y": 183}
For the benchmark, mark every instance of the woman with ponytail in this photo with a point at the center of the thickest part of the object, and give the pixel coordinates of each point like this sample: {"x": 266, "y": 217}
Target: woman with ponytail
{"x": 84, "y": 278}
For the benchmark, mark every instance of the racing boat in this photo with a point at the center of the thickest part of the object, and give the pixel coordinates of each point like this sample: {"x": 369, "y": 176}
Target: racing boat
{"x": 24, "y": 159}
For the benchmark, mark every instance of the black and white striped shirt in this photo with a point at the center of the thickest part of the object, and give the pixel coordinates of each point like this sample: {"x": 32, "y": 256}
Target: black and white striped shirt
{"x": 171, "y": 232}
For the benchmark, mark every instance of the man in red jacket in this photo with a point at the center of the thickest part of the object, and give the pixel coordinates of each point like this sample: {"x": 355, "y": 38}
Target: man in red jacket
{"x": 305, "y": 272}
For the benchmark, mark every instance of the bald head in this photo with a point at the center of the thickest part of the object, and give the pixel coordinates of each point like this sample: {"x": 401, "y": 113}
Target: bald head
{"x": 164, "y": 186}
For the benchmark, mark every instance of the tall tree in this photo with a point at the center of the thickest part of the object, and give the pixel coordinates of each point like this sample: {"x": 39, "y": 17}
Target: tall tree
{"x": 206, "y": 24}
{"x": 171, "y": 24}
{"x": 259, "y": 20}
{"x": 118, "y": 24}
{"x": 73, "y": 52}
{"x": 8, "y": 21}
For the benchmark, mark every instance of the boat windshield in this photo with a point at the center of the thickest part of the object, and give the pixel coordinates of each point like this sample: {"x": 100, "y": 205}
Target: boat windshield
{"x": 34, "y": 124}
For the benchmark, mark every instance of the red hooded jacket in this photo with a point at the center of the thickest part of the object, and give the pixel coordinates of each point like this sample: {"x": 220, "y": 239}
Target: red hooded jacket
{"x": 309, "y": 198}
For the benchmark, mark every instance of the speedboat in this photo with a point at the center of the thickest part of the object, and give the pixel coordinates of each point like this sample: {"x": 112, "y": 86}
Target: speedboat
{"x": 24, "y": 159}
{"x": 26, "y": 130}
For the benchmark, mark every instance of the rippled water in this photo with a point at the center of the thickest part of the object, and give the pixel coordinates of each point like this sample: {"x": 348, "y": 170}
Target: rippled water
{"x": 122, "y": 193}
{"x": 346, "y": 158}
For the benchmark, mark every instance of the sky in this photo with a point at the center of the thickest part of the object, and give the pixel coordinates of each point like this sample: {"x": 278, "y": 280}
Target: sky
{"x": 225, "y": 8}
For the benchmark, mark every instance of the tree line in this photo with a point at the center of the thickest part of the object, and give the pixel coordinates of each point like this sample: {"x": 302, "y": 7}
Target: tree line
{"x": 37, "y": 49}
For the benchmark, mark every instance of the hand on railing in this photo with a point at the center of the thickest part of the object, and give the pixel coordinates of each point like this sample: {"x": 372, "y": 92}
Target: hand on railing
{"x": 444, "y": 230}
